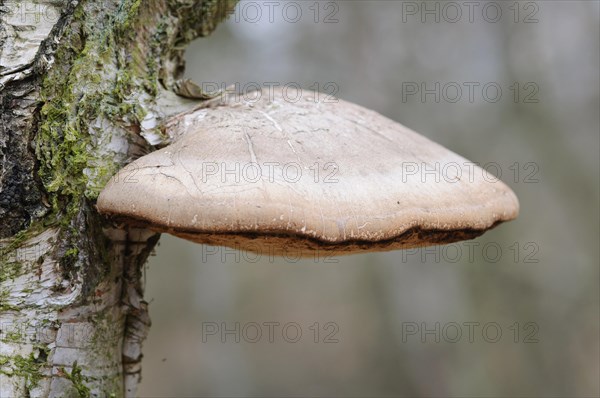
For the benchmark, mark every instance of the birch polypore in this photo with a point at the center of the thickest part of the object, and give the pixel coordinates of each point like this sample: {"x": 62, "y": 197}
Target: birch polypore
{"x": 285, "y": 170}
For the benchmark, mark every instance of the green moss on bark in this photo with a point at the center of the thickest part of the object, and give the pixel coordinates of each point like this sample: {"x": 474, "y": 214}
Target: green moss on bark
{"x": 10, "y": 270}
{"x": 107, "y": 73}
{"x": 27, "y": 368}
{"x": 78, "y": 380}
{"x": 99, "y": 83}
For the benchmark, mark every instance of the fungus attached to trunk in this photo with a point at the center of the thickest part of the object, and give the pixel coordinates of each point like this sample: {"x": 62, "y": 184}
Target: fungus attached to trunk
{"x": 288, "y": 171}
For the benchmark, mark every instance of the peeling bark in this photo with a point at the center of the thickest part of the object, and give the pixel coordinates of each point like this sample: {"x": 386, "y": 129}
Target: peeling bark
{"x": 84, "y": 88}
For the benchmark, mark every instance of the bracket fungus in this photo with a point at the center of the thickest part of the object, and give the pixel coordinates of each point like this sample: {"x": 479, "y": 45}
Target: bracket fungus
{"x": 285, "y": 170}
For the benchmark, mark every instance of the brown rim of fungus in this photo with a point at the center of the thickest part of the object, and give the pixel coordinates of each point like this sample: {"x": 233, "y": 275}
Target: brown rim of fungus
{"x": 274, "y": 175}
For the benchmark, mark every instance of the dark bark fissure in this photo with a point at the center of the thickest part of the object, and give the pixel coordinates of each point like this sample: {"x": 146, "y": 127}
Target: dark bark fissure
{"x": 20, "y": 191}
{"x": 22, "y": 197}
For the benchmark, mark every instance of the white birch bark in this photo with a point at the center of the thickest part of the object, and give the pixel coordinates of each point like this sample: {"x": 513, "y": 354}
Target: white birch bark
{"x": 84, "y": 88}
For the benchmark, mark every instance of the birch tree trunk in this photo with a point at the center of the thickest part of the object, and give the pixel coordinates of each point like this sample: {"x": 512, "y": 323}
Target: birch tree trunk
{"x": 84, "y": 88}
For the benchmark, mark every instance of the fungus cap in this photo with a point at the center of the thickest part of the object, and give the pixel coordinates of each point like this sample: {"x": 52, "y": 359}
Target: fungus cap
{"x": 286, "y": 171}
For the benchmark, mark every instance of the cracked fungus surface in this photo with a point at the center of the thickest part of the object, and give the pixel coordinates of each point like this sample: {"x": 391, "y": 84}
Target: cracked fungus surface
{"x": 307, "y": 174}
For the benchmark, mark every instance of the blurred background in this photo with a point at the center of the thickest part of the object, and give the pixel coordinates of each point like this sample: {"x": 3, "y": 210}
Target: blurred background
{"x": 511, "y": 314}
